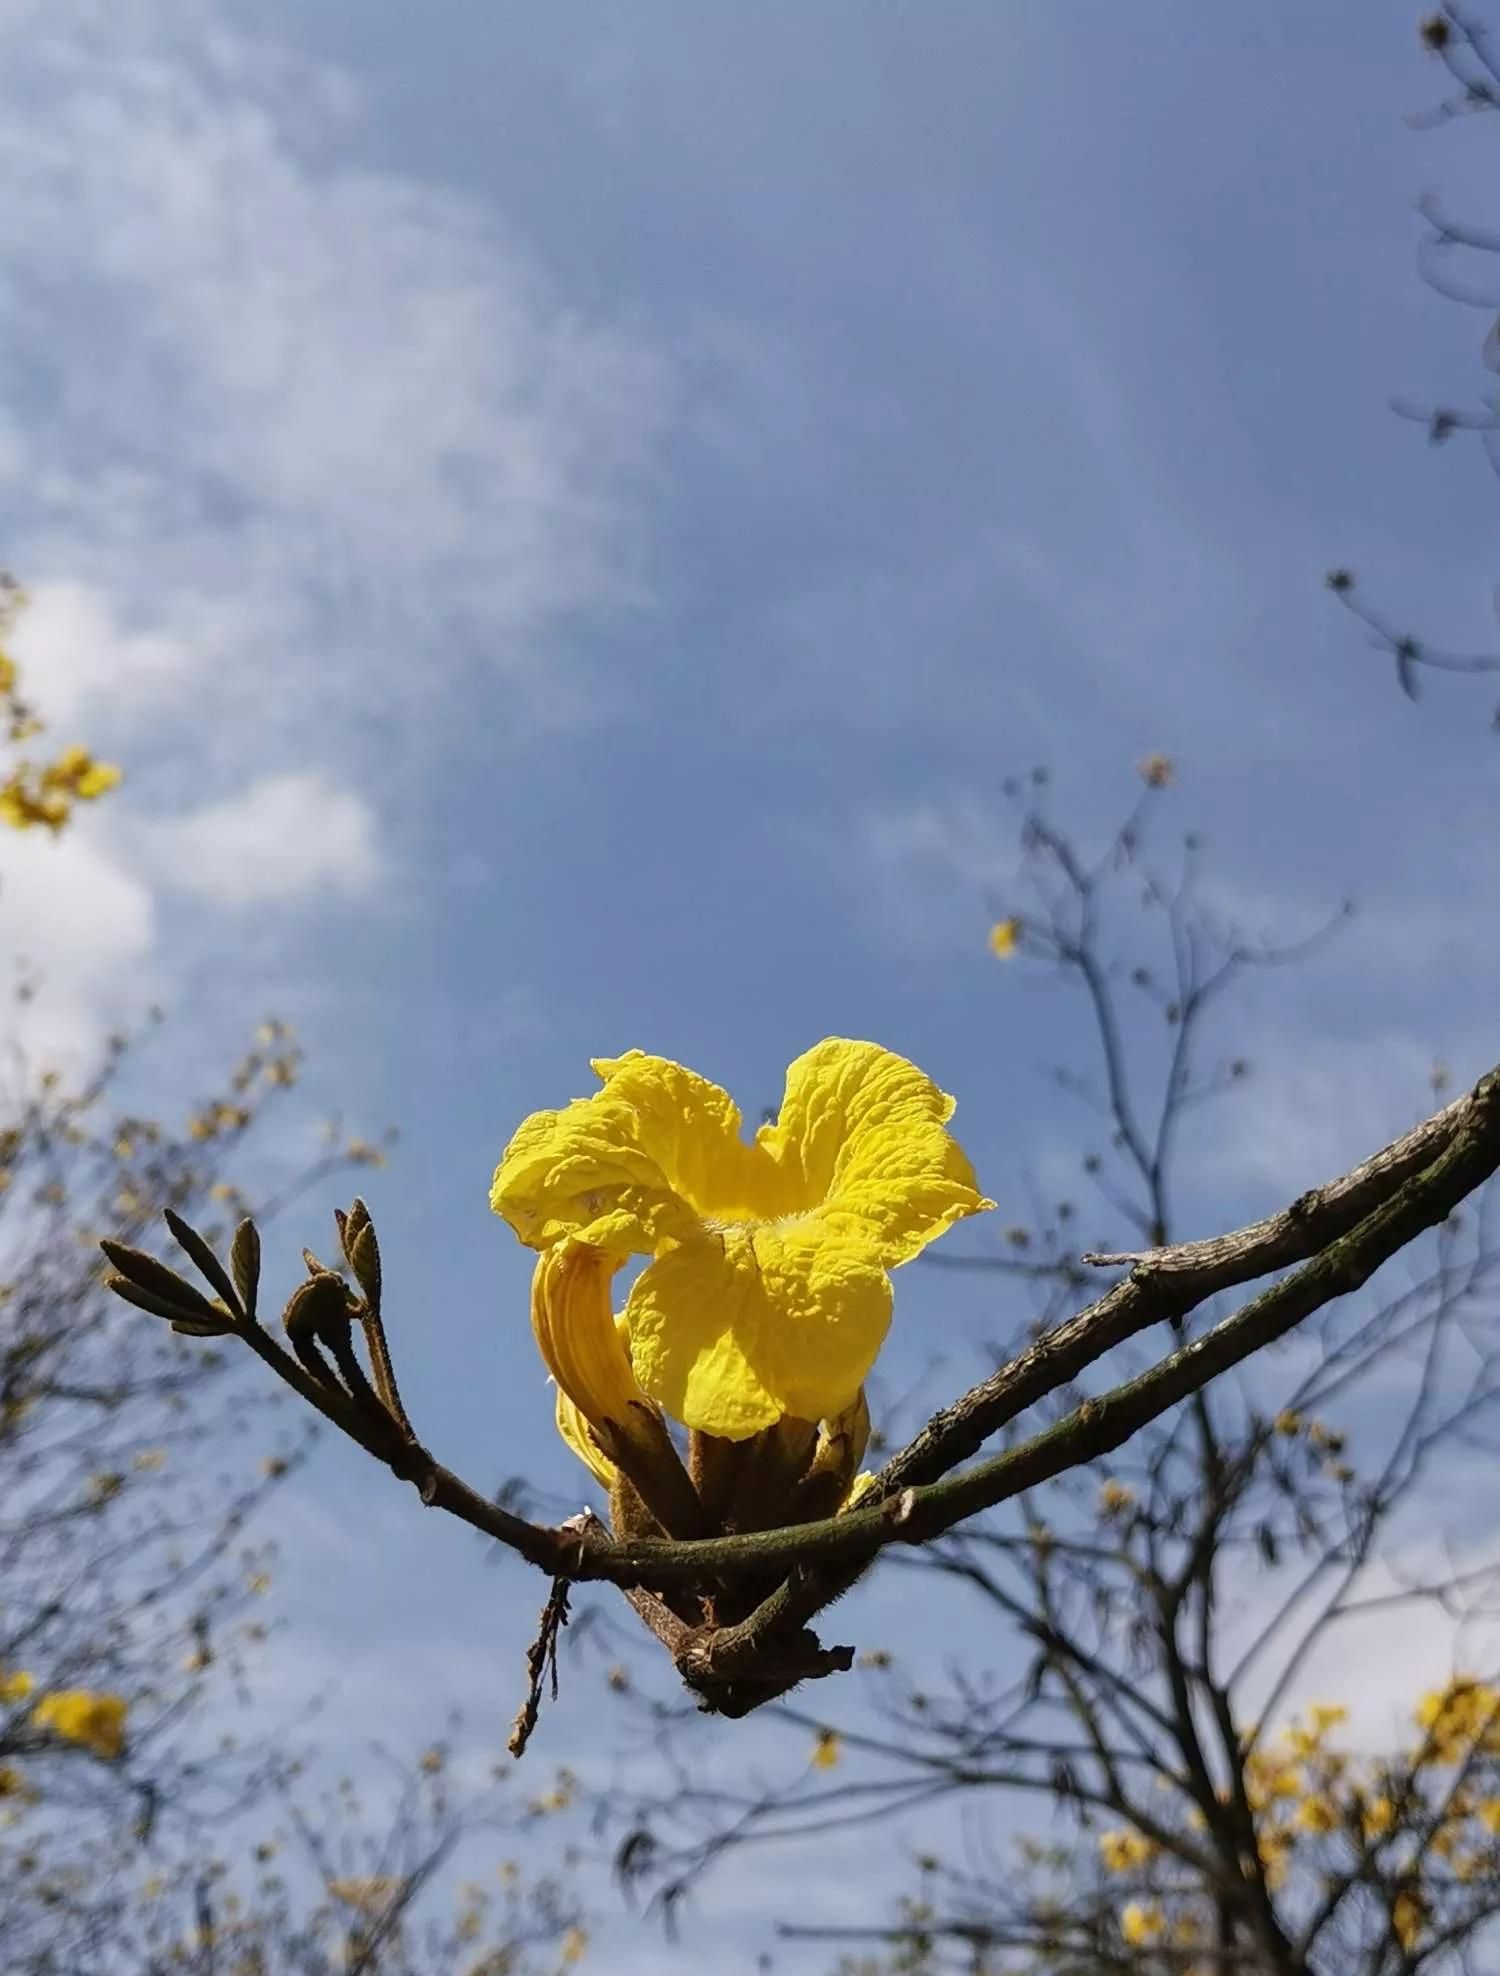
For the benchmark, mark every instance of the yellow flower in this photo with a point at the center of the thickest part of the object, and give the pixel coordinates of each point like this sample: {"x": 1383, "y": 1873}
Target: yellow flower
{"x": 1317, "y": 1813}
{"x": 1141, "y": 1923}
{"x": 15, "y": 1687}
{"x": 1408, "y": 1917}
{"x": 1156, "y": 771}
{"x": 1459, "y": 1718}
{"x": 1115, "y": 1498}
{"x": 1005, "y": 937}
{"x": 574, "y": 1943}
{"x": 1288, "y": 1422}
{"x": 826, "y": 1750}
{"x": 1123, "y": 1851}
{"x": 1268, "y": 1777}
{"x": 1379, "y": 1815}
{"x": 80, "y": 1716}
{"x": 767, "y": 1292}
{"x": 76, "y": 773}
{"x": 1273, "y": 1843}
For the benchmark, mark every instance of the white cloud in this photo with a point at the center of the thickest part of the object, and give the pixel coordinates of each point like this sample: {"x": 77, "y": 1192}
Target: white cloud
{"x": 285, "y": 837}
{"x": 931, "y": 867}
{"x": 1378, "y": 1663}
{"x": 292, "y": 447}
{"x": 74, "y": 654}
{"x": 1313, "y": 1105}
{"x": 274, "y": 403}
{"x": 71, "y": 916}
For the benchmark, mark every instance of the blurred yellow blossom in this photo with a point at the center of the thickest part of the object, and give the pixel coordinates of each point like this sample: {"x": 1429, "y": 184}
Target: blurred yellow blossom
{"x": 1141, "y": 1922}
{"x": 1408, "y": 1917}
{"x": 1123, "y": 1851}
{"x": 1459, "y": 1719}
{"x": 1005, "y": 938}
{"x": 79, "y": 1715}
{"x": 1317, "y": 1813}
{"x": 826, "y": 1750}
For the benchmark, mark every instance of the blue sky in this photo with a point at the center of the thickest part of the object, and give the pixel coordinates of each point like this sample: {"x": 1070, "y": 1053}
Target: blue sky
{"x": 568, "y": 517}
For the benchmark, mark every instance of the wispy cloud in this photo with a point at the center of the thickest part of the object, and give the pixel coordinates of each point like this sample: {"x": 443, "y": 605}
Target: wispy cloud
{"x": 285, "y": 837}
{"x": 258, "y": 387}
{"x": 294, "y": 451}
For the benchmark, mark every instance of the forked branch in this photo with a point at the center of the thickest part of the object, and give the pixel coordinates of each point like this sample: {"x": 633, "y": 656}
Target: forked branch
{"x": 1331, "y": 1240}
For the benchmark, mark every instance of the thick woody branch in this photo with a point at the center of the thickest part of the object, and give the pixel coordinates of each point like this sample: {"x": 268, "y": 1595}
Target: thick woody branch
{"x": 1167, "y": 1283}
{"x": 1340, "y": 1234}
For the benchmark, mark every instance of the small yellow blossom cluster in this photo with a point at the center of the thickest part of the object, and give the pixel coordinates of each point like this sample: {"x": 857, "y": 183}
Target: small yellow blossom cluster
{"x": 1430, "y": 1817}
{"x": 1142, "y": 1922}
{"x": 32, "y": 794}
{"x": 1126, "y": 1851}
{"x": 216, "y": 1119}
{"x": 76, "y": 1715}
{"x": 15, "y": 1687}
{"x": 1324, "y": 1443}
{"x": 79, "y": 1715}
{"x": 1459, "y": 1719}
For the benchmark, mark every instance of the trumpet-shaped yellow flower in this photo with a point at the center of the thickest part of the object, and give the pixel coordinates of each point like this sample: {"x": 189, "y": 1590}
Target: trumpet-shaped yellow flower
{"x": 81, "y": 1716}
{"x": 767, "y": 1290}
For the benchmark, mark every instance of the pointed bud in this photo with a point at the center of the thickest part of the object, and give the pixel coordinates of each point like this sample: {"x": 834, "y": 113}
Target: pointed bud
{"x": 244, "y": 1264}
{"x": 208, "y": 1264}
{"x": 146, "y": 1271}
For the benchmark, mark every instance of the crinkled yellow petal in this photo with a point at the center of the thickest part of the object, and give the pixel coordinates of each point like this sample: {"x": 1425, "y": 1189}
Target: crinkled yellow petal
{"x": 865, "y": 1132}
{"x": 577, "y": 1335}
{"x": 574, "y": 1429}
{"x": 625, "y": 1168}
{"x": 768, "y": 1292}
{"x": 731, "y": 1331}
